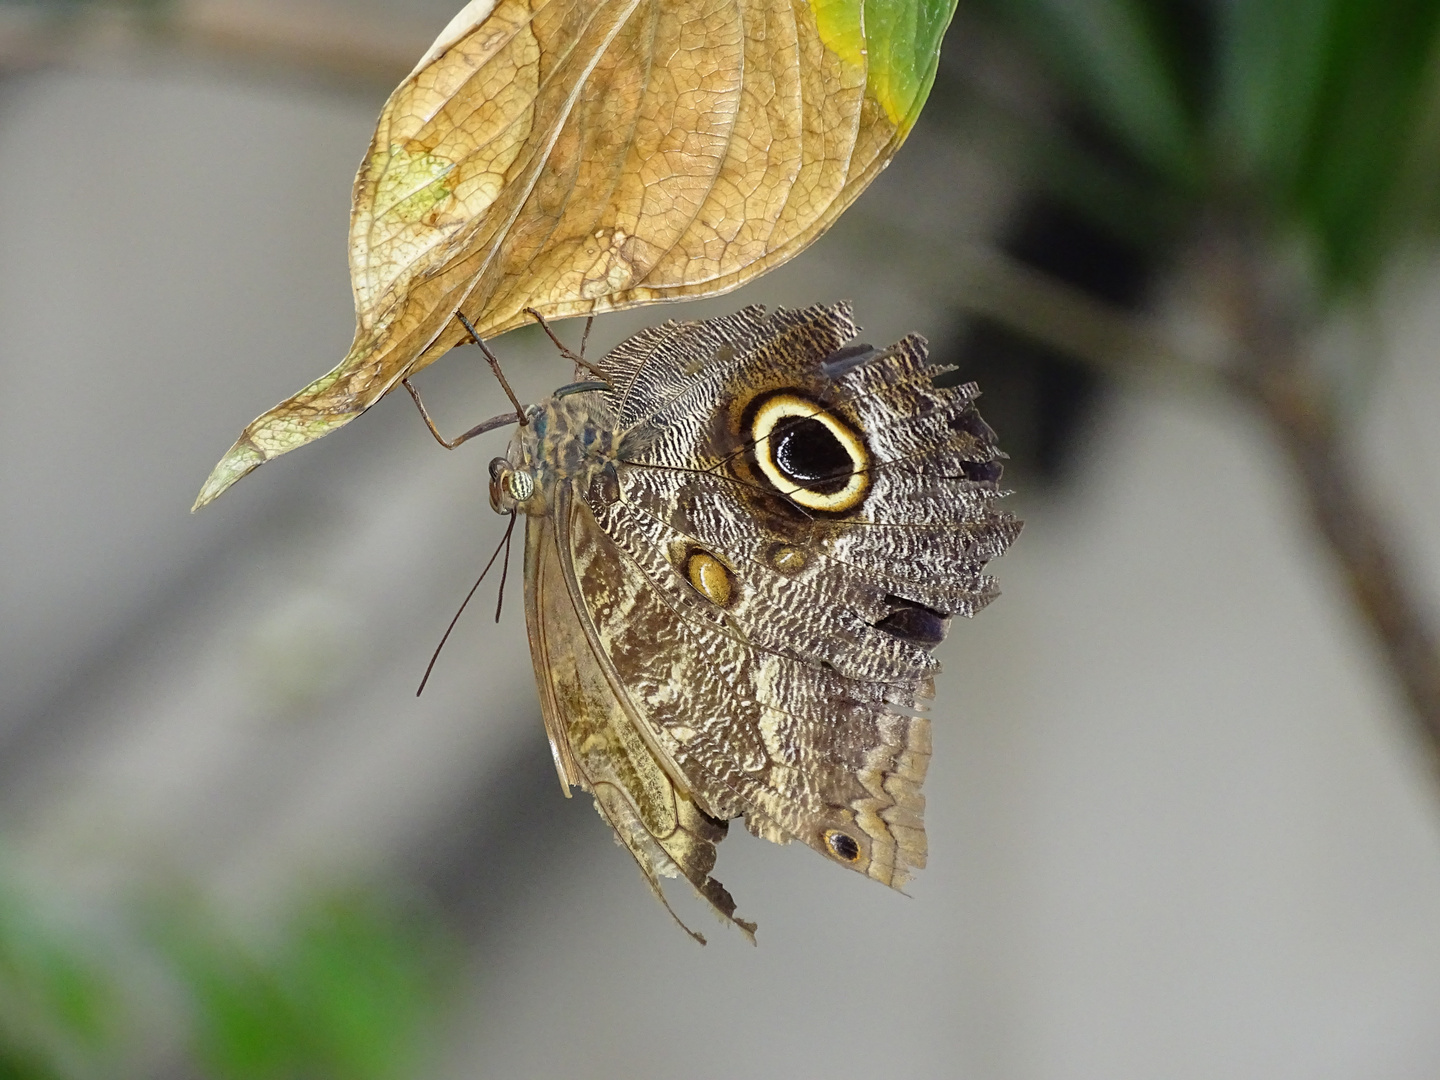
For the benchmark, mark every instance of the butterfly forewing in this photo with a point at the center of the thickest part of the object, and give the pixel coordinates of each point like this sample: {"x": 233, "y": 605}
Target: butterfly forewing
{"x": 598, "y": 743}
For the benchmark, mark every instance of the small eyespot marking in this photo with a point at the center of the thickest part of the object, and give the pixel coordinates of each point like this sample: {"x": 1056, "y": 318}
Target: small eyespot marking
{"x": 709, "y": 577}
{"x": 787, "y": 559}
{"x": 842, "y": 845}
{"x": 809, "y": 454}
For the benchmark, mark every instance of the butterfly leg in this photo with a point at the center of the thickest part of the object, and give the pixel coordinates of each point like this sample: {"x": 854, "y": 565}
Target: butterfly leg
{"x": 503, "y": 420}
{"x": 578, "y": 359}
{"x": 585, "y": 337}
{"x": 494, "y": 366}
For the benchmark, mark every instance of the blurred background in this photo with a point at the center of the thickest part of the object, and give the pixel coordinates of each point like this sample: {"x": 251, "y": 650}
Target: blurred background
{"x": 1183, "y": 811}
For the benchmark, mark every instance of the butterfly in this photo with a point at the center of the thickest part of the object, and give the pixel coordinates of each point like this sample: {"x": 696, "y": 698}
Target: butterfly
{"x": 742, "y": 545}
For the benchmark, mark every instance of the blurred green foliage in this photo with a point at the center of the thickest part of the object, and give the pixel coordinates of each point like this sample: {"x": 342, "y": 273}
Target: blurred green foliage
{"x": 59, "y": 1006}
{"x": 349, "y": 991}
{"x": 349, "y": 986}
{"x": 1315, "y": 120}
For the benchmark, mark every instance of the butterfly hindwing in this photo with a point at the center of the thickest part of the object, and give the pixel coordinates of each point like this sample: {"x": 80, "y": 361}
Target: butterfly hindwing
{"x": 797, "y": 644}
{"x": 799, "y": 750}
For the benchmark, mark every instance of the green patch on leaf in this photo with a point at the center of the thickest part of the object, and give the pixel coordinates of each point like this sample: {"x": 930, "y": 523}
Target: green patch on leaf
{"x": 840, "y": 28}
{"x": 897, "y": 40}
{"x": 902, "y": 39}
{"x": 411, "y": 186}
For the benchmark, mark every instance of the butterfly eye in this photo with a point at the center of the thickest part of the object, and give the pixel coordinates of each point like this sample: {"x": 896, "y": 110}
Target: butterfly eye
{"x": 519, "y": 485}
{"x": 509, "y": 486}
{"x": 809, "y": 454}
{"x": 842, "y": 845}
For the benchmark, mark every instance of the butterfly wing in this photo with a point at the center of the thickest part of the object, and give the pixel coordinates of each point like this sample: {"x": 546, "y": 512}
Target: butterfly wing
{"x": 594, "y": 734}
{"x": 770, "y": 638}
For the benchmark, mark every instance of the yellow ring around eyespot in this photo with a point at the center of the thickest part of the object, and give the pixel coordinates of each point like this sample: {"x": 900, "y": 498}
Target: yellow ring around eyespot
{"x": 709, "y": 577}
{"x": 782, "y": 407}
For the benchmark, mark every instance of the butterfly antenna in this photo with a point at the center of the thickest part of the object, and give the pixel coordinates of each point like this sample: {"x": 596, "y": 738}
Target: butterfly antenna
{"x": 494, "y": 366}
{"x": 504, "y": 544}
{"x": 725, "y": 479}
{"x": 504, "y": 568}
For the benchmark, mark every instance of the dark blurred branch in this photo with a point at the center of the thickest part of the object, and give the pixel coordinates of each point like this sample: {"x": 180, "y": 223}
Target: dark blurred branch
{"x": 1359, "y": 537}
{"x": 308, "y": 37}
{"x": 1073, "y": 321}
{"x": 1267, "y": 327}
{"x": 984, "y": 281}
{"x": 1266, "y": 324}
{"x": 1271, "y": 373}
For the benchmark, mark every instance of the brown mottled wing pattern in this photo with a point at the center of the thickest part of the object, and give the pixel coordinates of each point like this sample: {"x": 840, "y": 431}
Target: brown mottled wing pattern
{"x": 595, "y": 736}
{"x": 764, "y": 617}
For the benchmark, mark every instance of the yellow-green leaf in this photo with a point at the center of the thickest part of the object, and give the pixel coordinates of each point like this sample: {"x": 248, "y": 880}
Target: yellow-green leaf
{"x": 580, "y": 156}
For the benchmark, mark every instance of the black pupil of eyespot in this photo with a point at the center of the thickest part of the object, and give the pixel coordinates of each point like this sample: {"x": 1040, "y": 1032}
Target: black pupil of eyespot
{"x": 807, "y": 452}
{"x": 844, "y": 846}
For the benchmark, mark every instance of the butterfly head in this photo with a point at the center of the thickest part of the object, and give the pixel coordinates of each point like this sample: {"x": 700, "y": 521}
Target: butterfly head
{"x": 511, "y": 488}
{"x": 567, "y": 439}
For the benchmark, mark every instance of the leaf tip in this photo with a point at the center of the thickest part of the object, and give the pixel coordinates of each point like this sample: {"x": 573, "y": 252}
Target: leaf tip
{"x": 239, "y": 460}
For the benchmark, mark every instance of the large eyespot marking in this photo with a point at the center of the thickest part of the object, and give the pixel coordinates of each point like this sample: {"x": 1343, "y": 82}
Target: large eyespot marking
{"x": 710, "y": 577}
{"x": 842, "y": 845}
{"x": 808, "y": 454}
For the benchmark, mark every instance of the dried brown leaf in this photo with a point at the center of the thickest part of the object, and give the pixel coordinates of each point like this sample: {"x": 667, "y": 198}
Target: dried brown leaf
{"x": 579, "y": 156}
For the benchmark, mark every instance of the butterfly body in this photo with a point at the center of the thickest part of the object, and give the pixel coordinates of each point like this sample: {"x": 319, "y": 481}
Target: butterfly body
{"x": 739, "y": 556}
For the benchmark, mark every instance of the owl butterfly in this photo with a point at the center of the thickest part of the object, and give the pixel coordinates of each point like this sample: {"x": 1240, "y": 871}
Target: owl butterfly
{"x": 739, "y": 556}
